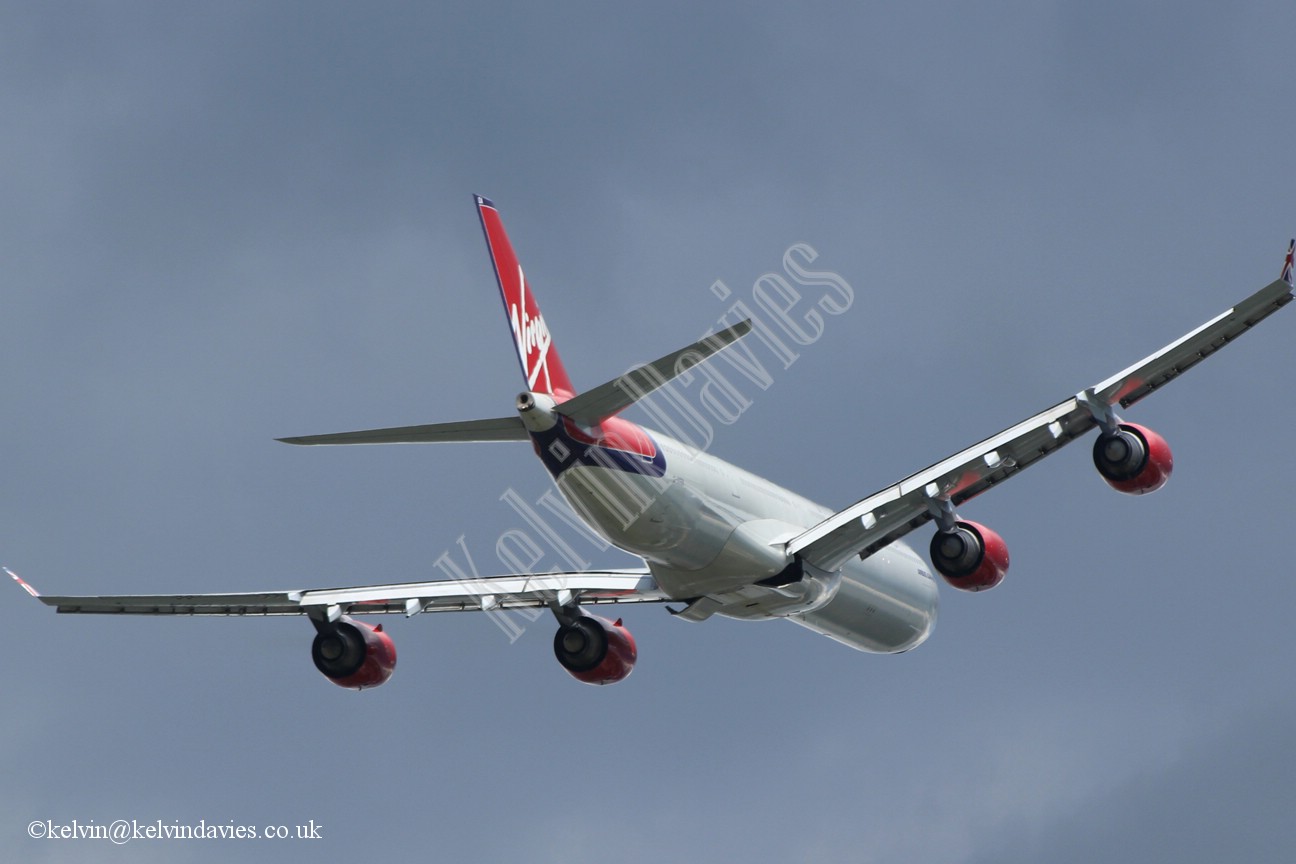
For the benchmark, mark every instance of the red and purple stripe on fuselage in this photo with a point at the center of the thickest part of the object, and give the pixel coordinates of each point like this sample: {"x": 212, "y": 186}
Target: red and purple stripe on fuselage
{"x": 615, "y": 444}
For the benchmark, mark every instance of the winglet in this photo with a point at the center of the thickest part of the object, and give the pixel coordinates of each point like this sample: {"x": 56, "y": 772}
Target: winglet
{"x": 29, "y": 589}
{"x": 1287, "y": 266}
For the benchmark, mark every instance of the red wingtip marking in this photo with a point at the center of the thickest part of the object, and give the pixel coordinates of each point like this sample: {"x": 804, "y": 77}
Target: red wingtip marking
{"x": 29, "y": 589}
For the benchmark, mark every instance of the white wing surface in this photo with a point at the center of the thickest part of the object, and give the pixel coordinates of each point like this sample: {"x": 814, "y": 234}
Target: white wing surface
{"x": 885, "y": 516}
{"x": 408, "y": 598}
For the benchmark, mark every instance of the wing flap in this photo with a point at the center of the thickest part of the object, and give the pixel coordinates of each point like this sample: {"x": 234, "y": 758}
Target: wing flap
{"x": 494, "y": 592}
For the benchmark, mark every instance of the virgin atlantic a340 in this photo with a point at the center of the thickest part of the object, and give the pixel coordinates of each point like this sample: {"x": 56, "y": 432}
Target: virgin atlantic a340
{"x": 713, "y": 538}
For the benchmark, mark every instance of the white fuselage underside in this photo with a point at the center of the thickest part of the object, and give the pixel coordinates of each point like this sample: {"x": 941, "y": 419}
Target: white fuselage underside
{"x": 710, "y": 530}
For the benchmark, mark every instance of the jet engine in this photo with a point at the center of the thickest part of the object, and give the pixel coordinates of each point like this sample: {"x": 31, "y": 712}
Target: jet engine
{"x": 354, "y": 654}
{"x": 971, "y": 557}
{"x": 1133, "y": 459}
{"x": 595, "y": 650}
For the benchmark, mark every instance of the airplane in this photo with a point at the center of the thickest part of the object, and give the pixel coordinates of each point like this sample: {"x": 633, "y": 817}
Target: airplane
{"x": 714, "y": 539}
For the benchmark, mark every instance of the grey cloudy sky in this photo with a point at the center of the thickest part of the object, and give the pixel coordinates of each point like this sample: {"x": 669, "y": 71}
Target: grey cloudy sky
{"x": 230, "y": 222}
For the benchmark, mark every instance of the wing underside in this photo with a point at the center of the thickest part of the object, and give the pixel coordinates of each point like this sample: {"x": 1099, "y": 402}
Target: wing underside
{"x": 407, "y": 598}
{"x": 889, "y": 514}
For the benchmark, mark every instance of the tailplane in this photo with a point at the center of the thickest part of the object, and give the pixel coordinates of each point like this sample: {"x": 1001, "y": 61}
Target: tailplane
{"x": 541, "y": 365}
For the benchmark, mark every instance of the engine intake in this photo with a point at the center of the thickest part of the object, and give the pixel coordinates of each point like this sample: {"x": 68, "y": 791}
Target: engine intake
{"x": 595, "y": 650}
{"x": 1133, "y": 459}
{"x": 354, "y": 655}
{"x": 971, "y": 557}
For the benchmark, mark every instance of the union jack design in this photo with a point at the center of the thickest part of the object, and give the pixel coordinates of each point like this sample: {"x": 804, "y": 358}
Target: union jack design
{"x": 1287, "y": 267}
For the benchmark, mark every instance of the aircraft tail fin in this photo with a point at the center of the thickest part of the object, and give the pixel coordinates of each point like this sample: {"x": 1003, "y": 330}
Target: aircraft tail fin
{"x": 1287, "y": 265}
{"x": 541, "y": 366}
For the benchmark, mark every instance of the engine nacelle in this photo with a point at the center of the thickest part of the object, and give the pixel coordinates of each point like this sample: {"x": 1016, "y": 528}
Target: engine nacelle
{"x": 971, "y": 557}
{"x": 1133, "y": 459}
{"x": 354, "y": 654}
{"x": 596, "y": 650}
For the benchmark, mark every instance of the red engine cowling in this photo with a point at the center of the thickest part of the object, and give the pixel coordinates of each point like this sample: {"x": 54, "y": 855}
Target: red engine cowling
{"x": 1133, "y": 459}
{"x": 354, "y": 654}
{"x": 971, "y": 557}
{"x": 596, "y": 650}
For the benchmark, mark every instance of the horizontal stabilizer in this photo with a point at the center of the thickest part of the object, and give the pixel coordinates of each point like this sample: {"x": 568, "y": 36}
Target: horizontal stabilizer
{"x": 607, "y": 400}
{"x": 495, "y": 429}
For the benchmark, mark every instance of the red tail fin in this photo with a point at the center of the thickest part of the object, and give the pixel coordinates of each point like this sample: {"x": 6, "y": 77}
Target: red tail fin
{"x": 541, "y": 365}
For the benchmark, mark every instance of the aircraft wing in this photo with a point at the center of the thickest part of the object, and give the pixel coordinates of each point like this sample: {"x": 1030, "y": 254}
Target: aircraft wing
{"x": 408, "y": 598}
{"x": 885, "y": 516}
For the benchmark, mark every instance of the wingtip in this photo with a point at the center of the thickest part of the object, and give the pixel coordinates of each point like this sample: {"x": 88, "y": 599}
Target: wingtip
{"x": 1287, "y": 264}
{"x": 29, "y": 589}
{"x": 483, "y": 201}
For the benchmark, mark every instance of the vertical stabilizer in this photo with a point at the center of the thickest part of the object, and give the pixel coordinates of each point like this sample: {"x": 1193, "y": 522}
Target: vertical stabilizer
{"x": 541, "y": 365}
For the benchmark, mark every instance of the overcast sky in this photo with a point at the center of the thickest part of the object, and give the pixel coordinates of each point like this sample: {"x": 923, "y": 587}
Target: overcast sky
{"x": 226, "y": 223}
